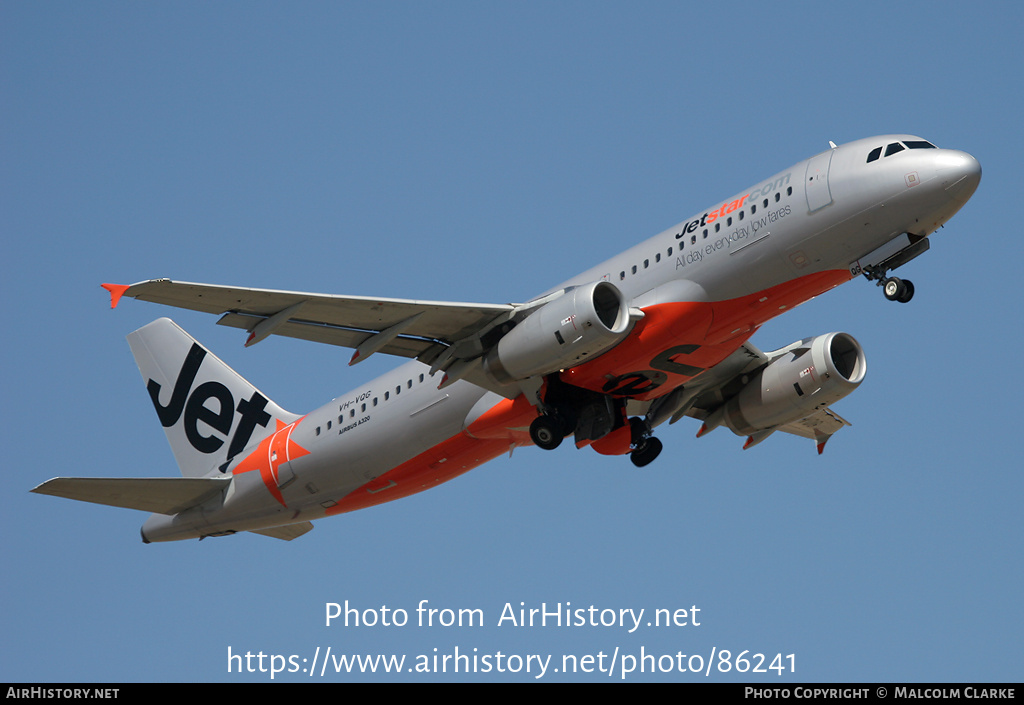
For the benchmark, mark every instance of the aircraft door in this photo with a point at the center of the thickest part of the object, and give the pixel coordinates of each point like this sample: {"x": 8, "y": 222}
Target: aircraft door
{"x": 816, "y": 182}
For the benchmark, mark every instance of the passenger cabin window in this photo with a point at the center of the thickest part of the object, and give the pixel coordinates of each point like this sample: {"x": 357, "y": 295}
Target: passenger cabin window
{"x": 874, "y": 154}
{"x": 893, "y": 148}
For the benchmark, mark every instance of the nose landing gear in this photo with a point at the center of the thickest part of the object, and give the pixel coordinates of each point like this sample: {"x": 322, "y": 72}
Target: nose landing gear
{"x": 896, "y": 289}
{"x": 876, "y": 265}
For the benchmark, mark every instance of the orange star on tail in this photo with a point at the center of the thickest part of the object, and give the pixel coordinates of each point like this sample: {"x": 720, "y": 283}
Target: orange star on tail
{"x": 270, "y": 454}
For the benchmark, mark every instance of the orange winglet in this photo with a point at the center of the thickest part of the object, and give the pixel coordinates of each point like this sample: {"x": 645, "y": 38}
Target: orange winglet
{"x": 116, "y": 291}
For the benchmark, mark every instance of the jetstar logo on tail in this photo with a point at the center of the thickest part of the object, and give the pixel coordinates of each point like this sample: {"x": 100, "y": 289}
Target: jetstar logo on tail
{"x": 192, "y": 408}
{"x": 270, "y": 455}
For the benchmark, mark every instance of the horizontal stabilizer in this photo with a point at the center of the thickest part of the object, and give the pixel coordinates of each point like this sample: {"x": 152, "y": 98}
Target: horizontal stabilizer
{"x": 163, "y": 495}
{"x": 286, "y": 533}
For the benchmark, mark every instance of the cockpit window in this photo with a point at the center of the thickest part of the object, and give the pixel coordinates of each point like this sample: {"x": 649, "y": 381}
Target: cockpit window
{"x": 874, "y": 154}
{"x": 893, "y": 148}
{"x": 919, "y": 144}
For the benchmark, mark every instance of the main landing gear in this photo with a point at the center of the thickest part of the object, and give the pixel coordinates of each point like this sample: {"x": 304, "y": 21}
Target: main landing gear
{"x": 645, "y": 446}
{"x": 548, "y": 430}
{"x": 593, "y": 419}
{"x": 646, "y": 452}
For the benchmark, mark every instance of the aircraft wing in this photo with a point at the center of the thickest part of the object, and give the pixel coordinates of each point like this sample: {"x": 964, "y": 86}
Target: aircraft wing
{"x": 407, "y": 328}
{"x": 721, "y": 382}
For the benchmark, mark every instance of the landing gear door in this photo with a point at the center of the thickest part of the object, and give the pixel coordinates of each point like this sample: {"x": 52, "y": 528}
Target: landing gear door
{"x": 816, "y": 182}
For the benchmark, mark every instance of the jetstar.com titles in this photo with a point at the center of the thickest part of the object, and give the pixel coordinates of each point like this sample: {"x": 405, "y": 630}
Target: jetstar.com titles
{"x": 731, "y": 206}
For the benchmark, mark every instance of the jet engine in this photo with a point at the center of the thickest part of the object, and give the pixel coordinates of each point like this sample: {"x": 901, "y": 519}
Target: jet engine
{"x": 807, "y": 376}
{"x": 581, "y": 323}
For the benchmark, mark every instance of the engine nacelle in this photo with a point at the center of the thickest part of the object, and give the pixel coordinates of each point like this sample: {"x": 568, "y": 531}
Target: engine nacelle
{"x": 806, "y": 377}
{"x": 579, "y": 324}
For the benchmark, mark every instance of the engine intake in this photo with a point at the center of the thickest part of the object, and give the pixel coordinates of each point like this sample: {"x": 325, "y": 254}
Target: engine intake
{"x": 805, "y": 378}
{"x": 581, "y": 323}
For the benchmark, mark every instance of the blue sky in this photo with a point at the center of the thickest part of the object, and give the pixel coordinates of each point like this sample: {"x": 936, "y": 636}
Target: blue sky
{"x": 484, "y": 152}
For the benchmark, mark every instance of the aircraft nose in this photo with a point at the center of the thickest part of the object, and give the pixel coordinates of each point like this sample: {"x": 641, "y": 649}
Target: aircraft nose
{"x": 960, "y": 172}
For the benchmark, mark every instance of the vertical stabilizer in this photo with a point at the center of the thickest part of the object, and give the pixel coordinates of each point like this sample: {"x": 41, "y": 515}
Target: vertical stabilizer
{"x": 209, "y": 412}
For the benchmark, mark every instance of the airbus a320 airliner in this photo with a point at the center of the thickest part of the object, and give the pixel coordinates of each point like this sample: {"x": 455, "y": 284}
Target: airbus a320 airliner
{"x": 654, "y": 334}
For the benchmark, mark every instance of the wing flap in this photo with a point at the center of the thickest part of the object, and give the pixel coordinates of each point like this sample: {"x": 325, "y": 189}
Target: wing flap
{"x": 163, "y": 495}
{"x": 819, "y": 425}
{"x": 346, "y": 337}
